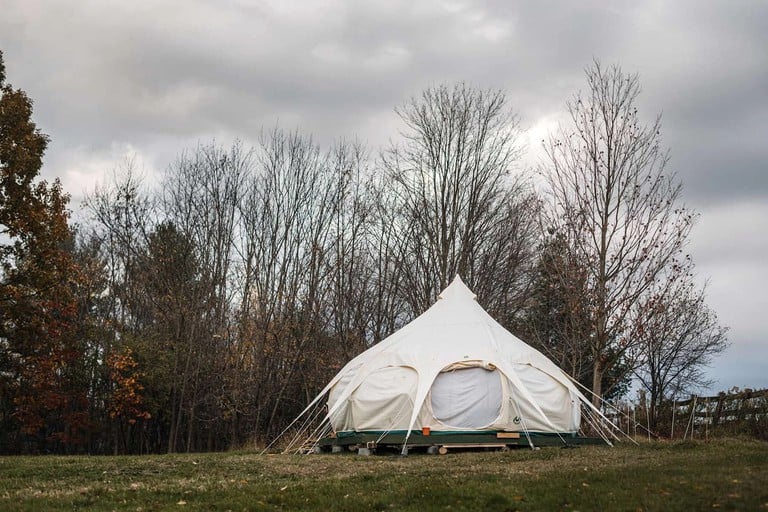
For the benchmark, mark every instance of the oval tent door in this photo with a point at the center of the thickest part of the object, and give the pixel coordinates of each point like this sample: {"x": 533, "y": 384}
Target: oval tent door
{"x": 468, "y": 398}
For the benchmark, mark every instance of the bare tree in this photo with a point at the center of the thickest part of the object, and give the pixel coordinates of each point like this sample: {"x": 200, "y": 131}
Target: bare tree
{"x": 349, "y": 305}
{"x": 459, "y": 209}
{"x": 289, "y": 223}
{"x": 389, "y": 308}
{"x": 616, "y": 204}
{"x": 201, "y": 195}
{"x": 678, "y": 334}
{"x": 123, "y": 214}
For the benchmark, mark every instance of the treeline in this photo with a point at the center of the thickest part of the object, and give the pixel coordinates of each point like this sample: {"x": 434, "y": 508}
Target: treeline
{"x": 205, "y": 313}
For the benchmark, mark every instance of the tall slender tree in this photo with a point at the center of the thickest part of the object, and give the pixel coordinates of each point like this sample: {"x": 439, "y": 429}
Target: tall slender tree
{"x": 290, "y": 218}
{"x": 460, "y": 209}
{"x": 616, "y": 203}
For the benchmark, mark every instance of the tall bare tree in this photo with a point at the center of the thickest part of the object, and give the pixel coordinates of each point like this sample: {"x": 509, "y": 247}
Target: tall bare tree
{"x": 460, "y": 209}
{"x": 389, "y": 308}
{"x": 290, "y": 218}
{"x": 120, "y": 310}
{"x": 349, "y": 304}
{"x": 615, "y": 202}
{"x": 123, "y": 214}
{"x": 202, "y": 194}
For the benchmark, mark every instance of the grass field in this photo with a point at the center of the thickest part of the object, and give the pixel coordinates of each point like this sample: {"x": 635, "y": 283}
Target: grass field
{"x": 725, "y": 475}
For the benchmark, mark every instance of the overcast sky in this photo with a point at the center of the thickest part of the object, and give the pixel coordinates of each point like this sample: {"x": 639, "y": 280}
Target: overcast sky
{"x": 149, "y": 79}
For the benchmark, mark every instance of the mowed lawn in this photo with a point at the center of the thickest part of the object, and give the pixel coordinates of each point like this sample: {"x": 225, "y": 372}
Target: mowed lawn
{"x": 723, "y": 474}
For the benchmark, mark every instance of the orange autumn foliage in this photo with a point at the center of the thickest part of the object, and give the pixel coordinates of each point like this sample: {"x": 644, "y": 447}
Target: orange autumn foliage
{"x": 126, "y": 398}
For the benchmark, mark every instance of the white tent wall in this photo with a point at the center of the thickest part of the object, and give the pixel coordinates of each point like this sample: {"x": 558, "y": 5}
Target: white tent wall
{"x": 542, "y": 403}
{"x": 382, "y": 402}
{"x": 477, "y": 397}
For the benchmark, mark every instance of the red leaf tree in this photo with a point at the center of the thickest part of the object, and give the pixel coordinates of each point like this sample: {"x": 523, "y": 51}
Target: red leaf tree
{"x": 43, "y": 393}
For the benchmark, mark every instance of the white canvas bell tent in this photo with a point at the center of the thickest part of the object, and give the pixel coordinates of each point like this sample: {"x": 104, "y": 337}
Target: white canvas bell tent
{"x": 454, "y": 369}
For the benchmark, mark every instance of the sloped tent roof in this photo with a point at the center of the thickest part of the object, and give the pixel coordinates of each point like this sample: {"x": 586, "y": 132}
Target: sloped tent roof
{"x": 398, "y": 384}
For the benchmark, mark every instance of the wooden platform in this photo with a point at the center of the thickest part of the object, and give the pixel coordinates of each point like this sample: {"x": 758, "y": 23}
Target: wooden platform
{"x": 445, "y": 441}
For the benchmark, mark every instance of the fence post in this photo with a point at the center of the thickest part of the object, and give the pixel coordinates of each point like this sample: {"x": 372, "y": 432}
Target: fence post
{"x": 634, "y": 418}
{"x": 718, "y": 409}
{"x": 706, "y": 423}
{"x": 740, "y": 411}
{"x": 691, "y": 417}
{"x": 674, "y": 406}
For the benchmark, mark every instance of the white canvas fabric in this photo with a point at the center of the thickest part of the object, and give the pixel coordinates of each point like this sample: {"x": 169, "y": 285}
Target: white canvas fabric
{"x": 454, "y": 368}
{"x": 385, "y": 398}
{"x": 467, "y": 398}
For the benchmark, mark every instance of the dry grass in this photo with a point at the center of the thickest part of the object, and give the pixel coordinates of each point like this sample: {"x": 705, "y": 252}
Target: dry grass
{"x": 728, "y": 475}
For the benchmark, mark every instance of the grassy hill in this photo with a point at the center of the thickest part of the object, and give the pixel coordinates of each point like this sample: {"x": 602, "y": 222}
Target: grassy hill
{"x": 725, "y": 474}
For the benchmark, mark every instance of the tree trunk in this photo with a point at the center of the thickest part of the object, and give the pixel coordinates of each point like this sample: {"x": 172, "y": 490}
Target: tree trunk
{"x": 597, "y": 383}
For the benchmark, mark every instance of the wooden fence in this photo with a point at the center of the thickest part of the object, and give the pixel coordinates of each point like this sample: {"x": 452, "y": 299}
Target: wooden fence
{"x": 737, "y": 412}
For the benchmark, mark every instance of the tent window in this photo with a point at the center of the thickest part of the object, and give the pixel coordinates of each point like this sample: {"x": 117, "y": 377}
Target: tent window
{"x": 469, "y": 398}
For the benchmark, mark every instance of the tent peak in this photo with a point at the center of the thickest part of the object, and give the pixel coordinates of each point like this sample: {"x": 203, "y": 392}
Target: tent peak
{"x": 457, "y": 290}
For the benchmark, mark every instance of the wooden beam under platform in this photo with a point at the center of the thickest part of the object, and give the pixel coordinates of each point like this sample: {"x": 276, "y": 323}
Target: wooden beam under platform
{"x": 448, "y": 440}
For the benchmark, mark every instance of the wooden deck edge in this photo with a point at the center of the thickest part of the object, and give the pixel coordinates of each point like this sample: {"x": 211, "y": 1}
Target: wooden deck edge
{"x": 479, "y": 440}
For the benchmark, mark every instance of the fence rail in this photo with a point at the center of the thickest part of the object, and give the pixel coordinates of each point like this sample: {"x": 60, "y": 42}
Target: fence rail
{"x": 738, "y": 412}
